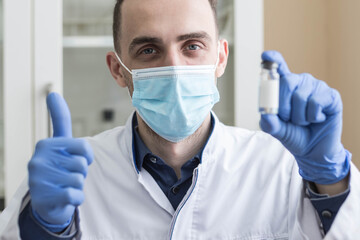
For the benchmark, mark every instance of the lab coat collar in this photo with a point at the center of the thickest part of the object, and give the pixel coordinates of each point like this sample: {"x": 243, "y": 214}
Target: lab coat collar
{"x": 207, "y": 150}
{"x": 141, "y": 149}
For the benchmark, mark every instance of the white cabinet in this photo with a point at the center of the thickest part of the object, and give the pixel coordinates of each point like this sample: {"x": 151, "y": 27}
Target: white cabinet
{"x": 32, "y": 61}
{"x": 2, "y": 191}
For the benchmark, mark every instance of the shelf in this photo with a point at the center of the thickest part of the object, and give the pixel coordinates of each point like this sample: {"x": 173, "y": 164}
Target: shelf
{"x": 88, "y": 42}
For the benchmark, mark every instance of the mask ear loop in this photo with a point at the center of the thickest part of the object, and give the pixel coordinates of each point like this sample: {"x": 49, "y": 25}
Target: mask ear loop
{"x": 217, "y": 62}
{"x": 122, "y": 64}
{"x": 218, "y": 56}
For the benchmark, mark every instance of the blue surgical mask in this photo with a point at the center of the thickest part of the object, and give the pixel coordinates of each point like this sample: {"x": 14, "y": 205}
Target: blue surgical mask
{"x": 174, "y": 101}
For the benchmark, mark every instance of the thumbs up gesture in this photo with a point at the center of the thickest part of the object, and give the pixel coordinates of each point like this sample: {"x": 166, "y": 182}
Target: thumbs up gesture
{"x": 57, "y": 170}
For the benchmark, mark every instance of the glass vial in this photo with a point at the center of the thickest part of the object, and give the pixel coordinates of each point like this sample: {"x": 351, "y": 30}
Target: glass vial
{"x": 269, "y": 88}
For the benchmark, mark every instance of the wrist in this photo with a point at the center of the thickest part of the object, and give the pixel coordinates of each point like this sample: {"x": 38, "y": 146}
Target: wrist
{"x": 335, "y": 188}
{"x": 55, "y": 228}
{"x": 328, "y": 172}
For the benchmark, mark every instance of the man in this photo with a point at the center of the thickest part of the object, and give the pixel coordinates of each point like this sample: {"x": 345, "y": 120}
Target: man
{"x": 174, "y": 171}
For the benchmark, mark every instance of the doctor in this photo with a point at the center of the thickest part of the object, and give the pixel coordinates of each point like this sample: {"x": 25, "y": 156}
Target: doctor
{"x": 174, "y": 171}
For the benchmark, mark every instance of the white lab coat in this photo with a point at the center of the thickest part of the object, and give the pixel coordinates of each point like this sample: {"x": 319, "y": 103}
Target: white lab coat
{"x": 247, "y": 187}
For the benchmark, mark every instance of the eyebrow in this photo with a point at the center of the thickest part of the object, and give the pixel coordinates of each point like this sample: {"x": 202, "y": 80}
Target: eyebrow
{"x": 154, "y": 40}
{"x": 196, "y": 35}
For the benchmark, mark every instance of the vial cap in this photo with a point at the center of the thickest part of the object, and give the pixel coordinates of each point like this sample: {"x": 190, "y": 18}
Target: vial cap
{"x": 269, "y": 65}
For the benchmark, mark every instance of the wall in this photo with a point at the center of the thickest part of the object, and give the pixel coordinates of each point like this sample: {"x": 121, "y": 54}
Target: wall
{"x": 298, "y": 30}
{"x": 321, "y": 37}
{"x": 343, "y": 64}
{"x": 1, "y": 107}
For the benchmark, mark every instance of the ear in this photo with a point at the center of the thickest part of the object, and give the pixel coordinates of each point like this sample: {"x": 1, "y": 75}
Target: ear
{"x": 223, "y": 57}
{"x": 115, "y": 69}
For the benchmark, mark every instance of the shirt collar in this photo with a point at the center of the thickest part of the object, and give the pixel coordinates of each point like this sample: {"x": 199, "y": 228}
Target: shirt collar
{"x": 141, "y": 150}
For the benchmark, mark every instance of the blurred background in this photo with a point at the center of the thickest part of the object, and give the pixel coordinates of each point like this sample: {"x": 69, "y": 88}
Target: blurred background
{"x": 61, "y": 45}
{"x": 87, "y": 38}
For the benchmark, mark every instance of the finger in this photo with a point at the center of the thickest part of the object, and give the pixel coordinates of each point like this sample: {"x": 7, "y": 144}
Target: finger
{"x": 315, "y": 106}
{"x": 72, "y": 146}
{"x": 271, "y": 124}
{"x": 298, "y": 110}
{"x": 73, "y": 180}
{"x": 60, "y": 115}
{"x": 76, "y": 164}
{"x": 290, "y": 135}
{"x": 288, "y": 85}
{"x": 314, "y": 111}
{"x": 275, "y": 56}
{"x": 326, "y": 102}
{"x": 81, "y": 147}
{"x": 331, "y": 102}
{"x": 300, "y": 99}
{"x": 71, "y": 196}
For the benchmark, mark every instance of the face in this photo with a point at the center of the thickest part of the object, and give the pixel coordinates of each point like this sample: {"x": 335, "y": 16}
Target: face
{"x": 157, "y": 33}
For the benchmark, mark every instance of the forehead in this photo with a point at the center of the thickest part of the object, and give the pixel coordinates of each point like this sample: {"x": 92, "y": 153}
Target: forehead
{"x": 166, "y": 19}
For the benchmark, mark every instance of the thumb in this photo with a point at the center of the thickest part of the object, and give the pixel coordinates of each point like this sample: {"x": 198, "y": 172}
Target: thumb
{"x": 60, "y": 115}
{"x": 273, "y": 125}
{"x": 275, "y": 56}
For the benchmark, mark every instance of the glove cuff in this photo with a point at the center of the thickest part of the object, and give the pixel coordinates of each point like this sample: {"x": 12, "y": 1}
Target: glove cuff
{"x": 330, "y": 174}
{"x": 51, "y": 227}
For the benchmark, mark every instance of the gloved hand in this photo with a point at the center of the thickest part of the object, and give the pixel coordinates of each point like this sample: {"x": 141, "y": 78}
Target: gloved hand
{"x": 57, "y": 170}
{"x": 309, "y": 124}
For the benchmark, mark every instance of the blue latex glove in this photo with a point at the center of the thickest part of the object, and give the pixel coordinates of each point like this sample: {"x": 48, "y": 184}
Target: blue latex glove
{"x": 309, "y": 124}
{"x": 58, "y": 169}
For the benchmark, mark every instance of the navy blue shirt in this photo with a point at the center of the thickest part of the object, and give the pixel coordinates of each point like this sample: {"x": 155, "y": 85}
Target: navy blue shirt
{"x": 175, "y": 189}
{"x": 326, "y": 206}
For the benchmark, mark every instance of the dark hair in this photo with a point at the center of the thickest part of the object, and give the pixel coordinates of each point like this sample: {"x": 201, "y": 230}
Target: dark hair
{"x": 117, "y": 24}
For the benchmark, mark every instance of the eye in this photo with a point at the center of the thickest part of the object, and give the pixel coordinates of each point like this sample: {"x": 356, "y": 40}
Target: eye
{"x": 193, "y": 47}
{"x": 148, "y": 51}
